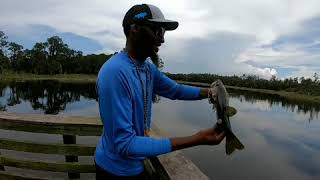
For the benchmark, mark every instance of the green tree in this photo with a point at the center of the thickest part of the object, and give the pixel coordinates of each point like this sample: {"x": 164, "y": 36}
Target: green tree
{"x": 39, "y": 56}
{"x": 3, "y": 43}
{"x": 59, "y": 52}
{"x": 25, "y": 64}
{"x": 15, "y": 55}
{"x": 4, "y": 61}
{"x": 316, "y": 77}
{"x": 55, "y": 46}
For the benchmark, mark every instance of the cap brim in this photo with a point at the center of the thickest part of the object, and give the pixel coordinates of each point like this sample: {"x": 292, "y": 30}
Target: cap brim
{"x": 169, "y": 25}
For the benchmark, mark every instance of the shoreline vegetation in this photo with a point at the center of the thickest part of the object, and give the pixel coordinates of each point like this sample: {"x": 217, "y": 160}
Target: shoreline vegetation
{"x": 284, "y": 94}
{"x": 86, "y": 78}
{"x": 72, "y": 78}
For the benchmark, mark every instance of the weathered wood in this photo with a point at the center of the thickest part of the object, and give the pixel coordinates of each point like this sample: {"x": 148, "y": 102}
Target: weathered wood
{"x": 51, "y": 119}
{"x": 47, "y": 166}
{"x": 174, "y": 165}
{"x": 2, "y": 167}
{"x": 179, "y": 167}
{"x": 51, "y": 124}
{"x": 170, "y": 166}
{"x": 160, "y": 172}
{"x": 67, "y": 139}
{"x": 56, "y": 129}
{"x": 47, "y": 148}
{"x": 9, "y": 176}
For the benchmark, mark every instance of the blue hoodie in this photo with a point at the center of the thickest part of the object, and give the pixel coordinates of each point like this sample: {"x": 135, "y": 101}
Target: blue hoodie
{"x": 122, "y": 146}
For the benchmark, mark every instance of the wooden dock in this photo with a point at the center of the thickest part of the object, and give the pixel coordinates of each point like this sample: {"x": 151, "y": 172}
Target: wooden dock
{"x": 170, "y": 166}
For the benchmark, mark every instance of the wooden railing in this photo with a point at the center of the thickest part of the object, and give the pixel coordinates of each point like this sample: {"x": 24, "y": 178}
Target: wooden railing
{"x": 171, "y": 166}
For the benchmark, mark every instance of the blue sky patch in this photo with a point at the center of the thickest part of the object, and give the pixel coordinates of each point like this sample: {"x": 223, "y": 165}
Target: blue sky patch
{"x": 39, "y": 33}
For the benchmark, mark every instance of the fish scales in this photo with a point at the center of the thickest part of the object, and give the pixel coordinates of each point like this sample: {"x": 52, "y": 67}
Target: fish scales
{"x": 220, "y": 100}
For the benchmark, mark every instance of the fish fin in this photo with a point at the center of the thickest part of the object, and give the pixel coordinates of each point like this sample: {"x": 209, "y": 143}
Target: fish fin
{"x": 231, "y": 111}
{"x": 233, "y": 143}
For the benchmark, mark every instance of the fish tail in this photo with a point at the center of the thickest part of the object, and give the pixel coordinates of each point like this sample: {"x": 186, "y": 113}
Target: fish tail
{"x": 233, "y": 143}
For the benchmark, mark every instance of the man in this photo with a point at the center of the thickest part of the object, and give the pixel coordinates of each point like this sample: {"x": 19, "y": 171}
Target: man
{"x": 125, "y": 86}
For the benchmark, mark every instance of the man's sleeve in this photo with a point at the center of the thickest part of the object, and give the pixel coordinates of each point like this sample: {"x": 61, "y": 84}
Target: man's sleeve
{"x": 166, "y": 87}
{"x": 125, "y": 140}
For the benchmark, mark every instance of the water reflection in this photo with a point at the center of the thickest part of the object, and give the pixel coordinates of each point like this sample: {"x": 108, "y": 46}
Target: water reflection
{"x": 310, "y": 108}
{"x": 52, "y": 97}
{"x": 280, "y": 142}
{"x": 276, "y": 140}
{"x": 49, "y": 96}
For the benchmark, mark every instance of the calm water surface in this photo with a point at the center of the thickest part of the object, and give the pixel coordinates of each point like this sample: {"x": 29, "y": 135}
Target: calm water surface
{"x": 281, "y": 137}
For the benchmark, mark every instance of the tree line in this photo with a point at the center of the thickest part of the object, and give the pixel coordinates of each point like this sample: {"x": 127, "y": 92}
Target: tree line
{"x": 50, "y": 57}
{"x": 56, "y": 57}
{"x": 300, "y": 85}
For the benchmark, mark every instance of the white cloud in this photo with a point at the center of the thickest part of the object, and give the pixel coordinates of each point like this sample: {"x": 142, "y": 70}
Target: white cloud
{"x": 265, "y": 21}
{"x": 266, "y": 73}
{"x": 304, "y": 72}
{"x": 215, "y": 55}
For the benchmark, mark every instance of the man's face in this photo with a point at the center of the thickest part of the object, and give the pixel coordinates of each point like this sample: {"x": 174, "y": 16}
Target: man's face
{"x": 147, "y": 40}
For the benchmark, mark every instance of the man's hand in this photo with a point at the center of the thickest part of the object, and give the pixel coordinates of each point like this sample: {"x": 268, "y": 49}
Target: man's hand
{"x": 211, "y": 136}
{"x": 209, "y": 93}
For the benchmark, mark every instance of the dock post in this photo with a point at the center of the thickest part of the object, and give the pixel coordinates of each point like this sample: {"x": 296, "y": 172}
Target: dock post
{"x": 1, "y": 167}
{"x": 71, "y": 139}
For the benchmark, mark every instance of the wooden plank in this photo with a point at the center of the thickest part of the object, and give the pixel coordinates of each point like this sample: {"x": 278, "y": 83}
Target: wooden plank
{"x": 47, "y": 148}
{"x": 6, "y": 176}
{"x": 159, "y": 171}
{"x": 51, "y": 119}
{"x": 56, "y": 129}
{"x": 179, "y": 167}
{"x": 10, "y": 176}
{"x": 1, "y": 167}
{"x": 47, "y": 166}
{"x": 67, "y": 139}
{"x": 174, "y": 165}
{"x": 51, "y": 124}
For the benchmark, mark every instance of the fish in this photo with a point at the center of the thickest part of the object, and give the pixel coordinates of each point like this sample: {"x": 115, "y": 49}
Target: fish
{"x": 220, "y": 100}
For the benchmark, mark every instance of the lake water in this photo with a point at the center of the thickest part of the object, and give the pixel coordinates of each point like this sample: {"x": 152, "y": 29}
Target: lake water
{"x": 281, "y": 137}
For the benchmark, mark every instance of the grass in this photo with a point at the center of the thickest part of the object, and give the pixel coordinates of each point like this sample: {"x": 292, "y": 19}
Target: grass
{"x": 58, "y": 77}
{"x": 288, "y": 95}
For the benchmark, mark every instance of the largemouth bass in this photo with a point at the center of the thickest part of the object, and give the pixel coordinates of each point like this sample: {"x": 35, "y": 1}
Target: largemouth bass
{"x": 220, "y": 100}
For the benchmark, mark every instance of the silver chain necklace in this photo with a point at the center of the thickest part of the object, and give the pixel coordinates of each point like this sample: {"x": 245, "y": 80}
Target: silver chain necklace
{"x": 145, "y": 92}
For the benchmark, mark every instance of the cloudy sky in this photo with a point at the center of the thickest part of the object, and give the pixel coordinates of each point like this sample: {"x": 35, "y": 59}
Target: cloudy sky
{"x": 263, "y": 37}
